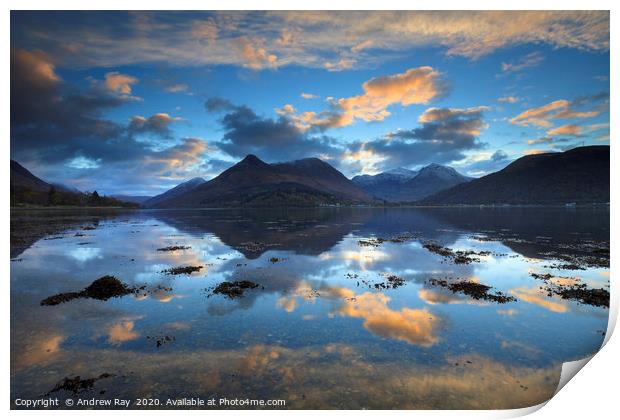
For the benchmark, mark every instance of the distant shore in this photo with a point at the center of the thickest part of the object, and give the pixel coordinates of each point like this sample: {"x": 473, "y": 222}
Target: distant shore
{"x": 387, "y": 206}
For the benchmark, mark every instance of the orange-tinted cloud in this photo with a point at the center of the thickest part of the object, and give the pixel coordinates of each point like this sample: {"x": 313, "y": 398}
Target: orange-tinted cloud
{"x": 530, "y": 60}
{"x": 542, "y": 116}
{"x": 415, "y": 326}
{"x": 119, "y": 83}
{"x": 121, "y": 332}
{"x": 565, "y": 130}
{"x": 536, "y": 152}
{"x": 35, "y": 68}
{"x": 508, "y": 99}
{"x": 536, "y": 297}
{"x": 415, "y": 86}
{"x": 255, "y": 56}
{"x": 38, "y": 349}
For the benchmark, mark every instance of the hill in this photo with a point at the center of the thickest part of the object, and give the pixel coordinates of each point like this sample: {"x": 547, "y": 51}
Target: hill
{"x": 403, "y": 185}
{"x": 28, "y": 189}
{"x": 254, "y": 183}
{"x": 579, "y": 176}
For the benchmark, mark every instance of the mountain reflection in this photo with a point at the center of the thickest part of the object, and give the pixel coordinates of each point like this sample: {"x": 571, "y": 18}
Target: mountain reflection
{"x": 324, "y": 310}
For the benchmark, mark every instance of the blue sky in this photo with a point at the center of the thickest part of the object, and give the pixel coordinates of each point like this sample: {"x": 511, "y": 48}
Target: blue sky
{"x": 137, "y": 102}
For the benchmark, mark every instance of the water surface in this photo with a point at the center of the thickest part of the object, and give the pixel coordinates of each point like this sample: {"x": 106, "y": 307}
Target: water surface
{"x": 325, "y": 328}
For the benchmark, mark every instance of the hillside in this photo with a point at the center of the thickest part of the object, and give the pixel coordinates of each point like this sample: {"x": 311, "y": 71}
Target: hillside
{"x": 254, "y": 183}
{"x": 28, "y": 189}
{"x": 579, "y": 175}
{"x": 403, "y": 185}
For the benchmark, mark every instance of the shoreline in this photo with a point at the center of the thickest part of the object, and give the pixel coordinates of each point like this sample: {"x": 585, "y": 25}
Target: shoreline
{"x": 404, "y": 206}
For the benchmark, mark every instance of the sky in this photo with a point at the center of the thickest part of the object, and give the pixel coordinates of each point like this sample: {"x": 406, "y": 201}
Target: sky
{"x": 138, "y": 102}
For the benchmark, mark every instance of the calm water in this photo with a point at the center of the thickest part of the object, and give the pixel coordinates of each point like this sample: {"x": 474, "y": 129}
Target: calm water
{"x": 316, "y": 332}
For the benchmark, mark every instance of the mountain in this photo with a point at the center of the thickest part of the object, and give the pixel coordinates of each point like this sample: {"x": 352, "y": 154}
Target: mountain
{"x": 579, "y": 175}
{"x": 254, "y": 183}
{"x": 404, "y": 185}
{"x": 137, "y": 199}
{"x": 395, "y": 175}
{"x": 22, "y": 178}
{"x": 173, "y": 192}
{"x": 386, "y": 185}
{"x": 28, "y": 189}
{"x": 63, "y": 187}
{"x": 430, "y": 180}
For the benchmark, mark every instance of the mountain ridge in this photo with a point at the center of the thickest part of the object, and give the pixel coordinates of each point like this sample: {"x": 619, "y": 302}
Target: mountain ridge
{"x": 579, "y": 175}
{"x": 398, "y": 186}
{"x": 253, "y": 182}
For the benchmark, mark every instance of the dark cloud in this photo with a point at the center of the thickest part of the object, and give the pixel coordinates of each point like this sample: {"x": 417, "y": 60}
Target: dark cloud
{"x": 588, "y": 99}
{"x": 270, "y": 139}
{"x": 52, "y": 121}
{"x": 444, "y": 136}
{"x": 499, "y": 155}
{"x": 158, "y": 124}
{"x": 217, "y": 104}
{"x": 497, "y": 161}
{"x": 54, "y": 125}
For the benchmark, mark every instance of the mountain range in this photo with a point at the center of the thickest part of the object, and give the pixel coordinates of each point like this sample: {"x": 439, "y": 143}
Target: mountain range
{"x": 404, "y": 185}
{"x": 28, "y": 189}
{"x": 254, "y": 183}
{"x": 579, "y": 176}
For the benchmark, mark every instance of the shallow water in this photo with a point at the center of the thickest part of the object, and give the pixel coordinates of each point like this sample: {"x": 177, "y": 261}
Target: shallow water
{"x": 317, "y": 331}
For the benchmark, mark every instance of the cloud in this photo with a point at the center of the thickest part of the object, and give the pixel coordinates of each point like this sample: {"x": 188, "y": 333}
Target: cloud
{"x": 255, "y": 56}
{"x": 340, "y": 65}
{"x": 36, "y": 68}
{"x": 122, "y": 332}
{"x": 536, "y": 151}
{"x": 119, "y": 83}
{"x": 277, "y": 139}
{"x": 527, "y": 61}
{"x": 206, "y": 30}
{"x": 46, "y": 113}
{"x": 217, "y": 104}
{"x": 81, "y": 162}
{"x": 368, "y": 43}
{"x": 499, "y": 156}
{"x": 415, "y": 326}
{"x": 177, "y": 88}
{"x": 311, "y": 38}
{"x": 484, "y": 163}
{"x": 450, "y": 125}
{"x": 415, "y": 86}
{"x": 569, "y": 132}
{"x": 181, "y": 156}
{"x": 444, "y": 135}
{"x": 508, "y": 99}
{"x": 565, "y": 130}
{"x": 562, "y": 109}
{"x": 534, "y": 296}
{"x": 158, "y": 124}
{"x": 305, "y": 95}
{"x": 60, "y": 132}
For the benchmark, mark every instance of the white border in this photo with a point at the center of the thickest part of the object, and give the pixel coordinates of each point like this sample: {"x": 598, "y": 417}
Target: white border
{"x": 591, "y": 396}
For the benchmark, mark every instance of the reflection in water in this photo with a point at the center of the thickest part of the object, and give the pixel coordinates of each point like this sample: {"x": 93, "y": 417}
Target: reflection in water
{"x": 533, "y": 295}
{"x": 84, "y": 254}
{"x": 414, "y": 326}
{"x": 322, "y": 330}
{"x": 121, "y": 332}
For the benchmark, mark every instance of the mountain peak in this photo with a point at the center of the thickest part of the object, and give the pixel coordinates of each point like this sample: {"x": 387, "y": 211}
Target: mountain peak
{"x": 401, "y": 172}
{"x": 437, "y": 169}
{"x": 436, "y": 166}
{"x": 196, "y": 180}
{"x": 252, "y": 159}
